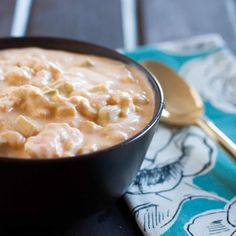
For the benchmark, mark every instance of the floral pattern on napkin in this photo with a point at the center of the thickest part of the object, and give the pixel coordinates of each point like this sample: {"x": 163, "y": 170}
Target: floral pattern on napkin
{"x": 164, "y": 184}
{"x": 217, "y": 85}
{"x": 219, "y": 222}
{"x": 186, "y": 185}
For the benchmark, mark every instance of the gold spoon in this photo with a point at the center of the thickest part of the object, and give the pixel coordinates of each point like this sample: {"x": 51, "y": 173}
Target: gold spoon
{"x": 183, "y": 105}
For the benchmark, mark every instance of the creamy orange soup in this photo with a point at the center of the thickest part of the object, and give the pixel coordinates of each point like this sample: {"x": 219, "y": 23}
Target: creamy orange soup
{"x": 58, "y": 104}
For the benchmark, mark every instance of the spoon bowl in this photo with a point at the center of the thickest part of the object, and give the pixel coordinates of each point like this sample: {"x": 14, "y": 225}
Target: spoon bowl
{"x": 183, "y": 105}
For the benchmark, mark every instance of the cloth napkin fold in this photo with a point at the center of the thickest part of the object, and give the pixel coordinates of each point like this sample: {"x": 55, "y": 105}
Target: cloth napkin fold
{"x": 186, "y": 184}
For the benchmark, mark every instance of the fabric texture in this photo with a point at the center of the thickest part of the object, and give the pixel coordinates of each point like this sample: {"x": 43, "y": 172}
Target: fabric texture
{"x": 186, "y": 184}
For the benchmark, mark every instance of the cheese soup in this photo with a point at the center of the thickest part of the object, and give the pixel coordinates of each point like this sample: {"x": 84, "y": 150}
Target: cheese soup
{"x": 59, "y": 104}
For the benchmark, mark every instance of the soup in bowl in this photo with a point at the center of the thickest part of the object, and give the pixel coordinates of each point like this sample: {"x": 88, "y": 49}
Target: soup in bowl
{"x": 76, "y": 122}
{"x": 57, "y": 104}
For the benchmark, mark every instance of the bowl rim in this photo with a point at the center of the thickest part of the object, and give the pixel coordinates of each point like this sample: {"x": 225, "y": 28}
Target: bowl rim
{"x": 21, "y": 42}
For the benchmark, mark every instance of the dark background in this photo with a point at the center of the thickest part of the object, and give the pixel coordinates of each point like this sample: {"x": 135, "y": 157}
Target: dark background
{"x": 100, "y": 21}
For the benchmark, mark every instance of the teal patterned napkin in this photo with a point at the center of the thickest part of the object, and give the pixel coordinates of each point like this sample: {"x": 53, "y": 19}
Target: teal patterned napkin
{"x": 187, "y": 185}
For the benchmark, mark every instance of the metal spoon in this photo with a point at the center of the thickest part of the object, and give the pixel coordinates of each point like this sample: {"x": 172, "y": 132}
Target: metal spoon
{"x": 183, "y": 105}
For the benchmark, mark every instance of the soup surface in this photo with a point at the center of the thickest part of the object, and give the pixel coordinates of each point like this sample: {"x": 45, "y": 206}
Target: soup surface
{"x": 58, "y": 104}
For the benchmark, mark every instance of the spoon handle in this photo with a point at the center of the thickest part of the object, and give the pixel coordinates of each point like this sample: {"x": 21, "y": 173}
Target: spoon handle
{"x": 226, "y": 143}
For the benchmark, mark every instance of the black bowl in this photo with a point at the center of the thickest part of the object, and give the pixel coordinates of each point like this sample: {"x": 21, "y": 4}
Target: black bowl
{"x": 47, "y": 191}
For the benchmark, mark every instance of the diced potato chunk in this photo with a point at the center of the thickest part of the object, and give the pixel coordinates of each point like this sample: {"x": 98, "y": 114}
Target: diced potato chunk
{"x": 25, "y": 126}
{"x": 34, "y": 63}
{"x": 108, "y": 114}
{"x": 43, "y": 104}
{"x": 100, "y": 88}
{"x": 43, "y": 113}
{"x": 43, "y": 75}
{"x": 12, "y": 138}
{"x": 55, "y": 140}
{"x": 55, "y": 71}
{"x": 8, "y": 102}
{"x": 34, "y": 102}
{"x": 57, "y": 98}
{"x": 54, "y": 95}
{"x": 37, "y": 65}
{"x": 87, "y": 110}
{"x": 138, "y": 109}
{"x": 82, "y": 93}
{"x": 17, "y": 76}
{"x": 118, "y": 136}
{"x": 87, "y": 63}
{"x": 84, "y": 107}
{"x": 124, "y": 100}
{"x": 99, "y": 100}
{"x": 66, "y": 110}
{"x": 120, "y": 98}
{"x": 114, "y": 133}
{"x": 89, "y": 148}
{"x": 65, "y": 87}
{"x": 51, "y": 92}
{"x": 89, "y": 126}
